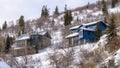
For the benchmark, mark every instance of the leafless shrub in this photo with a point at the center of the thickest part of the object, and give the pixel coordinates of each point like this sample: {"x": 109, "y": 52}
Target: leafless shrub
{"x": 62, "y": 59}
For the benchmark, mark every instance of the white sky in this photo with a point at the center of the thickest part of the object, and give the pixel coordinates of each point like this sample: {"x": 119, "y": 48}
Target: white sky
{"x": 11, "y": 10}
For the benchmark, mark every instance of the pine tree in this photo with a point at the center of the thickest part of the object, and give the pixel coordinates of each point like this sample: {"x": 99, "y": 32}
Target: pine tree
{"x": 45, "y": 12}
{"x": 22, "y": 24}
{"x": 97, "y": 33}
{"x": 67, "y": 18}
{"x": 42, "y": 11}
{"x": 65, "y": 7}
{"x": 7, "y": 44}
{"x": 56, "y": 11}
{"x": 5, "y": 25}
{"x": 114, "y": 2}
{"x": 113, "y": 39}
{"x": 88, "y": 5}
{"x": 112, "y": 28}
{"x": 104, "y": 8}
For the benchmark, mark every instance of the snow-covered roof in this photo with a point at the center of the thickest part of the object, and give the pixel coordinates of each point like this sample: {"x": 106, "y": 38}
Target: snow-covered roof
{"x": 4, "y": 65}
{"x": 88, "y": 29}
{"x": 75, "y": 27}
{"x": 72, "y": 35}
{"x": 40, "y": 33}
{"x": 23, "y": 37}
{"x": 90, "y": 23}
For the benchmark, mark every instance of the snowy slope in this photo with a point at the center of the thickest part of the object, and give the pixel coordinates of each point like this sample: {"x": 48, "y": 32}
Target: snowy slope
{"x": 42, "y": 59}
{"x": 4, "y": 65}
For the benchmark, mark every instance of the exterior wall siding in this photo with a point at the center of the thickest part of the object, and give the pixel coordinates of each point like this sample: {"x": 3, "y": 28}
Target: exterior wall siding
{"x": 28, "y": 46}
{"x": 87, "y": 35}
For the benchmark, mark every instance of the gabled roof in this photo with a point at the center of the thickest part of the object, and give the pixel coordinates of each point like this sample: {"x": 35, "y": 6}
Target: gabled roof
{"x": 86, "y": 24}
{"x": 72, "y": 35}
{"x": 43, "y": 33}
{"x": 88, "y": 29}
{"x": 40, "y": 33}
{"x": 91, "y": 23}
{"x": 75, "y": 27}
{"x": 23, "y": 37}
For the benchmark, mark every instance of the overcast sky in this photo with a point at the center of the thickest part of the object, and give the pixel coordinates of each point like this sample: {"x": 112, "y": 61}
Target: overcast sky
{"x": 11, "y": 10}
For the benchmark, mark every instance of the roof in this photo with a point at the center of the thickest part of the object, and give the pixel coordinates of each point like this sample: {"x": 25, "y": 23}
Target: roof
{"x": 91, "y": 23}
{"x": 72, "y": 35}
{"x": 40, "y": 33}
{"x": 4, "y": 65}
{"x": 43, "y": 33}
{"x": 88, "y": 29}
{"x": 75, "y": 27}
{"x": 23, "y": 37}
{"x": 86, "y": 24}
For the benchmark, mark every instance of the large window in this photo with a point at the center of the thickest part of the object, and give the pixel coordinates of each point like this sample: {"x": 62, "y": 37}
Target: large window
{"x": 21, "y": 43}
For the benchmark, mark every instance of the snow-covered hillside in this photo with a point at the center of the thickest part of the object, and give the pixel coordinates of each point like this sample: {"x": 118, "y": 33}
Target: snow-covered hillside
{"x": 56, "y": 53}
{"x": 45, "y": 58}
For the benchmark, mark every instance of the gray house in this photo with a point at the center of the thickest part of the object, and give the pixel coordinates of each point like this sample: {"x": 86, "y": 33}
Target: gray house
{"x": 31, "y": 43}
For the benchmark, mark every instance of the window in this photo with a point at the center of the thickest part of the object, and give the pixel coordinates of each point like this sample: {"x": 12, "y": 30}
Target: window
{"x": 21, "y": 43}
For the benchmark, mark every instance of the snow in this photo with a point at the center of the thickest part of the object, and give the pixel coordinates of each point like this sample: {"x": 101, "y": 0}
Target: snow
{"x": 75, "y": 27}
{"x": 61, "y": 22}
{"x": 60, "y": 16}
{"x": 97, "y": 13}
{"x": 40, "y": 33}
{"x": 102, "y": 41}
{"x": 89, "y": 29}
{"x": 115, "y": 10}
{"x": 4, "y": 65}
{"x": 89, "y": 11}
{"x": 72, "y": 35}
{"x": 42, "y": 59}
{"x": 23, "y": 37}
{"x": 90, "y": 23}
{"x": 117, "y": 57}
{"x": 56, "y": 37}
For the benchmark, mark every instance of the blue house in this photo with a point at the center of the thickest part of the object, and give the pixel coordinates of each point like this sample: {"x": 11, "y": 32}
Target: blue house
{"x": 85, "y": 32}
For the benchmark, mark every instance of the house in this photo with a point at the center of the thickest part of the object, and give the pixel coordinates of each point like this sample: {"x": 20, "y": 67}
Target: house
{"x": 28, "y": 43}
{"x": 85, "y": 32}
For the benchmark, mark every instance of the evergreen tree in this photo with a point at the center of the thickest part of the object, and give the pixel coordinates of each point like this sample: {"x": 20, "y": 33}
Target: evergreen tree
{"x": 104, "y": 8}
{"x": 65, "y": 7}
{"x": 56, "y": 11}
{"x": 45, "y": 11}
{"x": 97, "y": 33}
{"x": 22, "y": 24}
{"x": 114, "y": 2}
{"x": 42, "y": 12}
{"x": 88, "y": 5}
{"x": 5, "y": 25}
{"x": 113, "y": 39}
{"x": 112, "y": 29}
{"x": 7, "y": 44}
{"x": 67, "y": 18}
